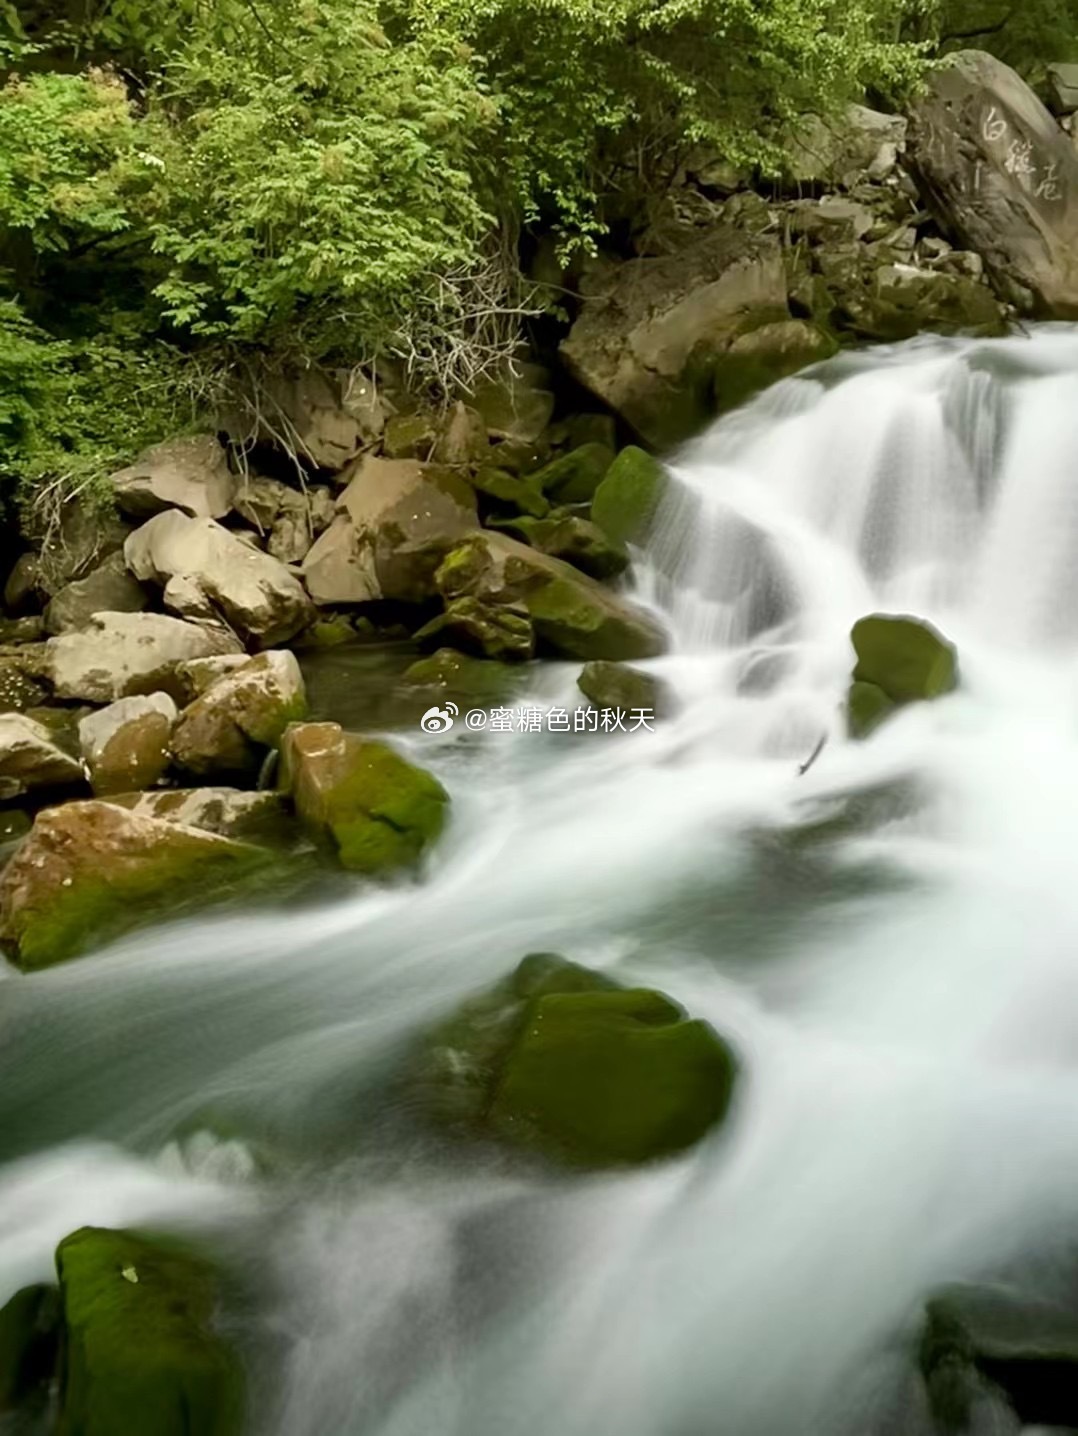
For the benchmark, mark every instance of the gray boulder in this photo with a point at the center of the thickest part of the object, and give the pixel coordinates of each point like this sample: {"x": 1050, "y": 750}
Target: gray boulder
{"x": 1001, "y": 176}
{"x": 109, "y": 588}
{"x": 118, "y": 654}
{"x": 257, "y": 595}
{"x": 843, "y": 149}
{"x": 647, "y": 341}
{"x": 31, "y": 758}
{"x": 1062, "y": 86}
{"x": 231, "y": 724}
{"x": 191, "y": 474}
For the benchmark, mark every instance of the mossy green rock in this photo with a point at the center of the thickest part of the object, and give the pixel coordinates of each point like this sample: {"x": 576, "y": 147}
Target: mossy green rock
{"x": 29, "y": 1344}
{"x": 560, "y": 1061}
{"x": 615, "y": 685}
{"x": 90, "y": 871}
{"x": 899, "y": 660}
{"x": 501, "y": 633}
{"x": 867, "y": 705}
{"x": 380, "y": 811}
{"x": 573, "y": 478}
{"x": 573, "y": 539}
{"x": 470, "y": 681}
{"x": 626, "y": 500}
{"x": 764, "y": 355}
{"x": 524, "y": 495}
{"x": 141, "y": 1354}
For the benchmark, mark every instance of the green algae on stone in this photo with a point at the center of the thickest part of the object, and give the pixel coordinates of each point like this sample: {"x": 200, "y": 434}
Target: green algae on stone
{"x": 381, "y": 811}
{"x": 615, "y": 685}
{"x": 140, "y": 1352}
{"x": 491, "y": 631}
{"x": 560, "y": 1061}
{"x": 573, "y": 478}
{"x": 90, "y": 871}
{"x": 904, "y": 656}
{"x": 867, "y": 705}
{"x": 522, "y": 494}
{"x": 29, "y": 1345}
{"x": 625, "y": 502}
{"x": 575, "y": 540}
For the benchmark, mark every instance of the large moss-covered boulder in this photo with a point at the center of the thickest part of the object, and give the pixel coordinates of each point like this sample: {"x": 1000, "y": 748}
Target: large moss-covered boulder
{"x": 979, "y": 1340}
{"x": 88, "y": 871}
{"x": 572, "y": 614}
{"x": 141, "y": 1353}
{"x": 626, "y": 500}
{"x": 562, "y": 1062}
{"x": 380, "y": 811}
{"x": 899, "y": 660}
{"x": 766, "y": 354}
{"x": 29, "y": 1345}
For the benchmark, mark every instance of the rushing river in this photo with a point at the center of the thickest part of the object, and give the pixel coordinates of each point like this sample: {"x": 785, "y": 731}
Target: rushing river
{"x": 901, "y": 983}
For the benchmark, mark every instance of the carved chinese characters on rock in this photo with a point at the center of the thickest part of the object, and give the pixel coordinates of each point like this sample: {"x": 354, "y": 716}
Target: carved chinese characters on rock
{"x": 1018, "y": 158}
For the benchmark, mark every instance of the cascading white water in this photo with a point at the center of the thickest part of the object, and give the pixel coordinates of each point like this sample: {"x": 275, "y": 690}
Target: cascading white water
{"x": 903, "y": 996}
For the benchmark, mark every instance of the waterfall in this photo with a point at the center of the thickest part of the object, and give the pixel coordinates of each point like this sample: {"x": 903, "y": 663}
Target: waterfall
{"x": 889, "y": 941}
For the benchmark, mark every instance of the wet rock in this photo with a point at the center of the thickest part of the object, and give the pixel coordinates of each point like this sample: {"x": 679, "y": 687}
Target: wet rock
{"x": 575, "y": 540}
{"x": 19, "y": 690}
{"x": 126, "y": 745}
{"x": 615, "y": 685}
{"x": 190, "y": 474}
{"x": 765, "y": 355}
{"x": 119, "y": 654}
{"x": 396, "y": 520}
{"x": 141, "y": 1350}
{"x": 380, "y": 811}
{"x": 522, "y": 494}
{"x": 626, "y": 500}
{"x": 571, "y": 613}
{"x": 502, "y": 632}
{"x": 21, "y": 630}
{"x": 228, "y": 728}
{"x": 561, "y": 1061}
{"x": 470, "y": 681}
{"x": 257, "y": 595}
{"x": 29, "y": 1345}
{"x": 998, "y": 173}
{"x": 90, "y": 870}
{"x": 229, "y": 812}
{"x": 646, "y": 342}
{"x": 977, "y": 1339}
{"x": 899, "y": 660}
{"x": 573, "y": 477}
{"x": 31, "y": 758}
{"x": 109, "y": 588}
{"x": 846, "y": 148}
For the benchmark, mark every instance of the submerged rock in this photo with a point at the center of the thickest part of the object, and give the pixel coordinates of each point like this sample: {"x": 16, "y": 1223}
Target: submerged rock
{"x": 126, "y": 745}
{"x": 571, "y": 613}
{"x": 90, "y": 870}
{"x": 615, "y": 685}
{"x": 236, "y": 718}
{"x": 140, "y": 1351}
{"x": 561, "y": 1061}
{"x": 899, "y": 660}
{"x": 977, "y": 1339}
{"x": 626, "y": 500}
{"x": 380, "y": 811}
{"x": 29, "y": 1345}
{"x": 119, "y": 654}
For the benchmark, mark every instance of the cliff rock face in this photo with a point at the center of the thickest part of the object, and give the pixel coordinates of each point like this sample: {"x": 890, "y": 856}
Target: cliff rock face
{"x": 1000, "y": 174}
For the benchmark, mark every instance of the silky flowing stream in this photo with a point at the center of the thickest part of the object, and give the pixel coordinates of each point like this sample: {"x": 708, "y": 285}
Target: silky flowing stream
{"x": 889, "y": 941}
